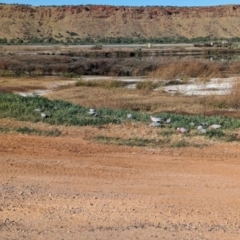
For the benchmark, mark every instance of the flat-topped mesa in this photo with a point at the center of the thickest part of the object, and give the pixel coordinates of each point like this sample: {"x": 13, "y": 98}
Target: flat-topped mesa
{"x": 114, "y": 21}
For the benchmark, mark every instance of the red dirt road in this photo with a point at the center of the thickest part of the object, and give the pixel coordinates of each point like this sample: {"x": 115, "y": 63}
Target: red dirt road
{"x": 69, "y": 188}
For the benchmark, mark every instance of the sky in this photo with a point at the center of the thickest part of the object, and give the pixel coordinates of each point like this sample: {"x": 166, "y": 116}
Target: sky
{"x": 179, "y": 3}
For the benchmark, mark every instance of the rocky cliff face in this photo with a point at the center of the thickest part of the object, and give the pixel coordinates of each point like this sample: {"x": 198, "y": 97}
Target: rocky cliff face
{"x": 109, "y": 21}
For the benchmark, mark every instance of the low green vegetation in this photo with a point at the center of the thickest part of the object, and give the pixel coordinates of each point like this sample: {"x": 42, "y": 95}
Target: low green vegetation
{"x": 140, "y": 142}
{"x": 148, "y": 85}
{"x": 26, "y": 130}
{"x": 4, "y": 130}
{"x": 168, "y": 138}
{"x": 70, "y": 75}
{"x": 58, "y": 112}
{"x": 31, "y": 131}
{"x": 145, "y": 142}
{"x": 180, "y": 143}
{"x": 100, "y": 83}
{"x": 74, "y": 39}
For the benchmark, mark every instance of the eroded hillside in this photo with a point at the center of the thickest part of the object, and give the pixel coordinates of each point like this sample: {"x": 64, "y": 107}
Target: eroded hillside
{"x": 26, "y": 22}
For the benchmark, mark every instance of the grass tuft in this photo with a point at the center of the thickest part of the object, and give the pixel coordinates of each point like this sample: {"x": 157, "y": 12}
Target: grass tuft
{"x": 31, "y": 131}
{"x": 179, "y": 144}
{"x": 215, "y": 133}
{"x": 194, "y": 69}
{"x": 138, "y": 142}
{"x": 230, "y": 100}
{"x": 147, "y": 85}
{"x": 100, "y": 83}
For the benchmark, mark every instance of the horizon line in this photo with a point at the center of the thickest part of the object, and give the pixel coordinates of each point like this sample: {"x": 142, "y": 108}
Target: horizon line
{"x": 107, "y": 5}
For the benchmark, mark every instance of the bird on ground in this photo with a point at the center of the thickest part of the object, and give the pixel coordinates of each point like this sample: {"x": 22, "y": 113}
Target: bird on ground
{"x": 92, "y": 111}
{"x": 182, "y": 130}
{"x": 154, "y": 119}
{"x": 202, "y": 130}
{"x": 44, "y": 115}
{"x": 129, "y": 115}
{"x": 200, "y": 127}
{"x": 215, "y": 126}
{"x": 168, "y": 120}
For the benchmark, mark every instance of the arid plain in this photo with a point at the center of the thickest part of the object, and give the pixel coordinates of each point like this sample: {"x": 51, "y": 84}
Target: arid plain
{"x": 65, "y": 174}
{"x": 88, "y": 182}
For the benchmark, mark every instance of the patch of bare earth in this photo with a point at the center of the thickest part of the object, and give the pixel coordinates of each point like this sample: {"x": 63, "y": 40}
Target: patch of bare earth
{"x": 32, "y": 84}
{"x": 68, "y": 187}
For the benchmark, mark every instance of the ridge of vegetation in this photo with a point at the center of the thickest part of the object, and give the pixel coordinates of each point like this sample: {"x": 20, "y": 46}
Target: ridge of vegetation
{"x": 58, "y": 112}
{"x": 31, "y": 131}
{"x": 114, "y": 40}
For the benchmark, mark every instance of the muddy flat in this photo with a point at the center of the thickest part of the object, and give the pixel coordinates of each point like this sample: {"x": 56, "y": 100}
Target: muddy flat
{"x": 68, "y": 187}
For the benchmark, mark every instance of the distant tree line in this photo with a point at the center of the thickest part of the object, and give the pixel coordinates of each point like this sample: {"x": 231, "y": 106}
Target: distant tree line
{"x": 18, "y": 4}
{"x": 104, "y": 5}
{"x": 111, "y": 40}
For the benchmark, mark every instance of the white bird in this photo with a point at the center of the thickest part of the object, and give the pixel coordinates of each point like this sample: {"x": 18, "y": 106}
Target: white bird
{"x": 168, "y": 120}
{"x": 92, "y": 111}
{"x": 202, "y": 130}
{"x": 154, "y": 119}
{"x": 215, "y": 126}
{"x": 129, "y": 115}
{"x": 182, "y": 130}
{"x": 43, "y": 115}
{"x": 200, "y": 127}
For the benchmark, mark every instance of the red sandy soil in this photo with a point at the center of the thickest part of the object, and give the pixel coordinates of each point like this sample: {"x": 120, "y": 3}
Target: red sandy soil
{"x": 67, "y": 187}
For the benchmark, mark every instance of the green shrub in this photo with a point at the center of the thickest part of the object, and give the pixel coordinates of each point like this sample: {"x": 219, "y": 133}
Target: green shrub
{"x": 26, "y": 130}
{"x": 147, "y": 85}
{"x": 139, "y": 142}
{"x": 178, "y": 144}
{"x": 231, "y": 137}
{"x": 215, "y": 133}
{"x": 97, "y": 47}
{"x": 4, "y": 129}
{"x": 70, "y": 75}
{"x": 100, "y": 83}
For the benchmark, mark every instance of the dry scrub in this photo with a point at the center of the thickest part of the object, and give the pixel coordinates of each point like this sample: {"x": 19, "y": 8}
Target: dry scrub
{"x": 35, "y": 65}
{"x": 229, "y": 101}
{"x": 46, "y": 65}
{"x": 233, "y": 98}
{"x": 112, "y": 96}
{"x": 141, "y": 100}
{"x": 30, "y": 84}
{"x": 194, "y": 69}
{"x": 148, "y": 100}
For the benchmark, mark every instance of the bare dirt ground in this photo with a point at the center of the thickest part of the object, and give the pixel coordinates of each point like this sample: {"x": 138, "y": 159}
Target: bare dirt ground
{"x": 68, "y": 187}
